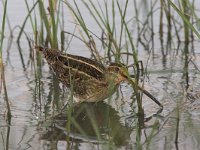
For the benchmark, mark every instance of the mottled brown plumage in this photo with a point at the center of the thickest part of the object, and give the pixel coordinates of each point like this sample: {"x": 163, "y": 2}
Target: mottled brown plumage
{"x": 91, "y": 80}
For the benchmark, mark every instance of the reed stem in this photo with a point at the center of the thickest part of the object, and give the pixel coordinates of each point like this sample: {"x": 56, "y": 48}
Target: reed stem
{"x": 1, "y": 62}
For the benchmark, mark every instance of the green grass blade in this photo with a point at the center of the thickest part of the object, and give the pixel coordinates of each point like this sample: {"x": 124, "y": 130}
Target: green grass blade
{"x": 24, "y": 23}
{"x": 45, "y": 20}
{"x": 3, "y": 27}
{"x": 181, "y": 14}
{"x": 2, "y": 74}
{"x": 54, "y": 24}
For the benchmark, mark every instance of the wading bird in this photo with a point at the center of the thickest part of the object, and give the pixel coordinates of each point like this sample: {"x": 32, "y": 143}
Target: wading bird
{"x": 89, "y": 80}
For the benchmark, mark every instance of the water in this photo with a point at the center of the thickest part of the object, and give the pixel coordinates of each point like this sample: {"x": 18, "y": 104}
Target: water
{"x": 34, "y": 101}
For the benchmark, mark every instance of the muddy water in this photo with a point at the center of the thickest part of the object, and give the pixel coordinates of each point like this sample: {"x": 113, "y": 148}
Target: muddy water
{"x": 34, "y": 100}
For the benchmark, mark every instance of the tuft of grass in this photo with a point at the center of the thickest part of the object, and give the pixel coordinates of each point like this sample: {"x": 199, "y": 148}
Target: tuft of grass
{"x": 49, "y": 22}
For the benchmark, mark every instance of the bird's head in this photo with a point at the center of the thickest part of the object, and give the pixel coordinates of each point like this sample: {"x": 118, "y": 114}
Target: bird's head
{"x": 118, "y": 71}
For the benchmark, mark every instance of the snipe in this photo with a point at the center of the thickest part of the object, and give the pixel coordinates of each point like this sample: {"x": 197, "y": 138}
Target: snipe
{"x": 91, "y": 81}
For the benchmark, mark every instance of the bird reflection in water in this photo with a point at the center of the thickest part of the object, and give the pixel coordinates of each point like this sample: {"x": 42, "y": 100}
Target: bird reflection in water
{"x": 91, "y": 123}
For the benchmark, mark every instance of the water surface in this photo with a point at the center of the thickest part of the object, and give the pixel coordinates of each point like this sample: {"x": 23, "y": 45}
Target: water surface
{"x": 35, "y": 100}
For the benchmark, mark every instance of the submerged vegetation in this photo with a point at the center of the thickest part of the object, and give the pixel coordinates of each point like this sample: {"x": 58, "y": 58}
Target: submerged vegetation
{"x": 110, "y": 31}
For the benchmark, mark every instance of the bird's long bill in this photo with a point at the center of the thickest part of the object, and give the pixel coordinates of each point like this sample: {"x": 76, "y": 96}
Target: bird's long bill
{"x": 147, "y": 94}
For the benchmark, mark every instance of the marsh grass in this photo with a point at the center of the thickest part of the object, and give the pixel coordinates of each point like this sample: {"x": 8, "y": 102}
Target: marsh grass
{"x": 33, "y": 22}
{"x": 185, "y": 12}
{"x": 3, "y": 79}
{"x": 2, "y": 76}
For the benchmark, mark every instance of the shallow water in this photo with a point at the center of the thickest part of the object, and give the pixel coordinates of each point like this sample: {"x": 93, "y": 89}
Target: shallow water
{"x": 108, "y": 124}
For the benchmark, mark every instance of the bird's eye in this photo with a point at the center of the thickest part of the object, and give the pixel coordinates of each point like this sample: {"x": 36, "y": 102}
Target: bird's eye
{"x": 116, "y": 69}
